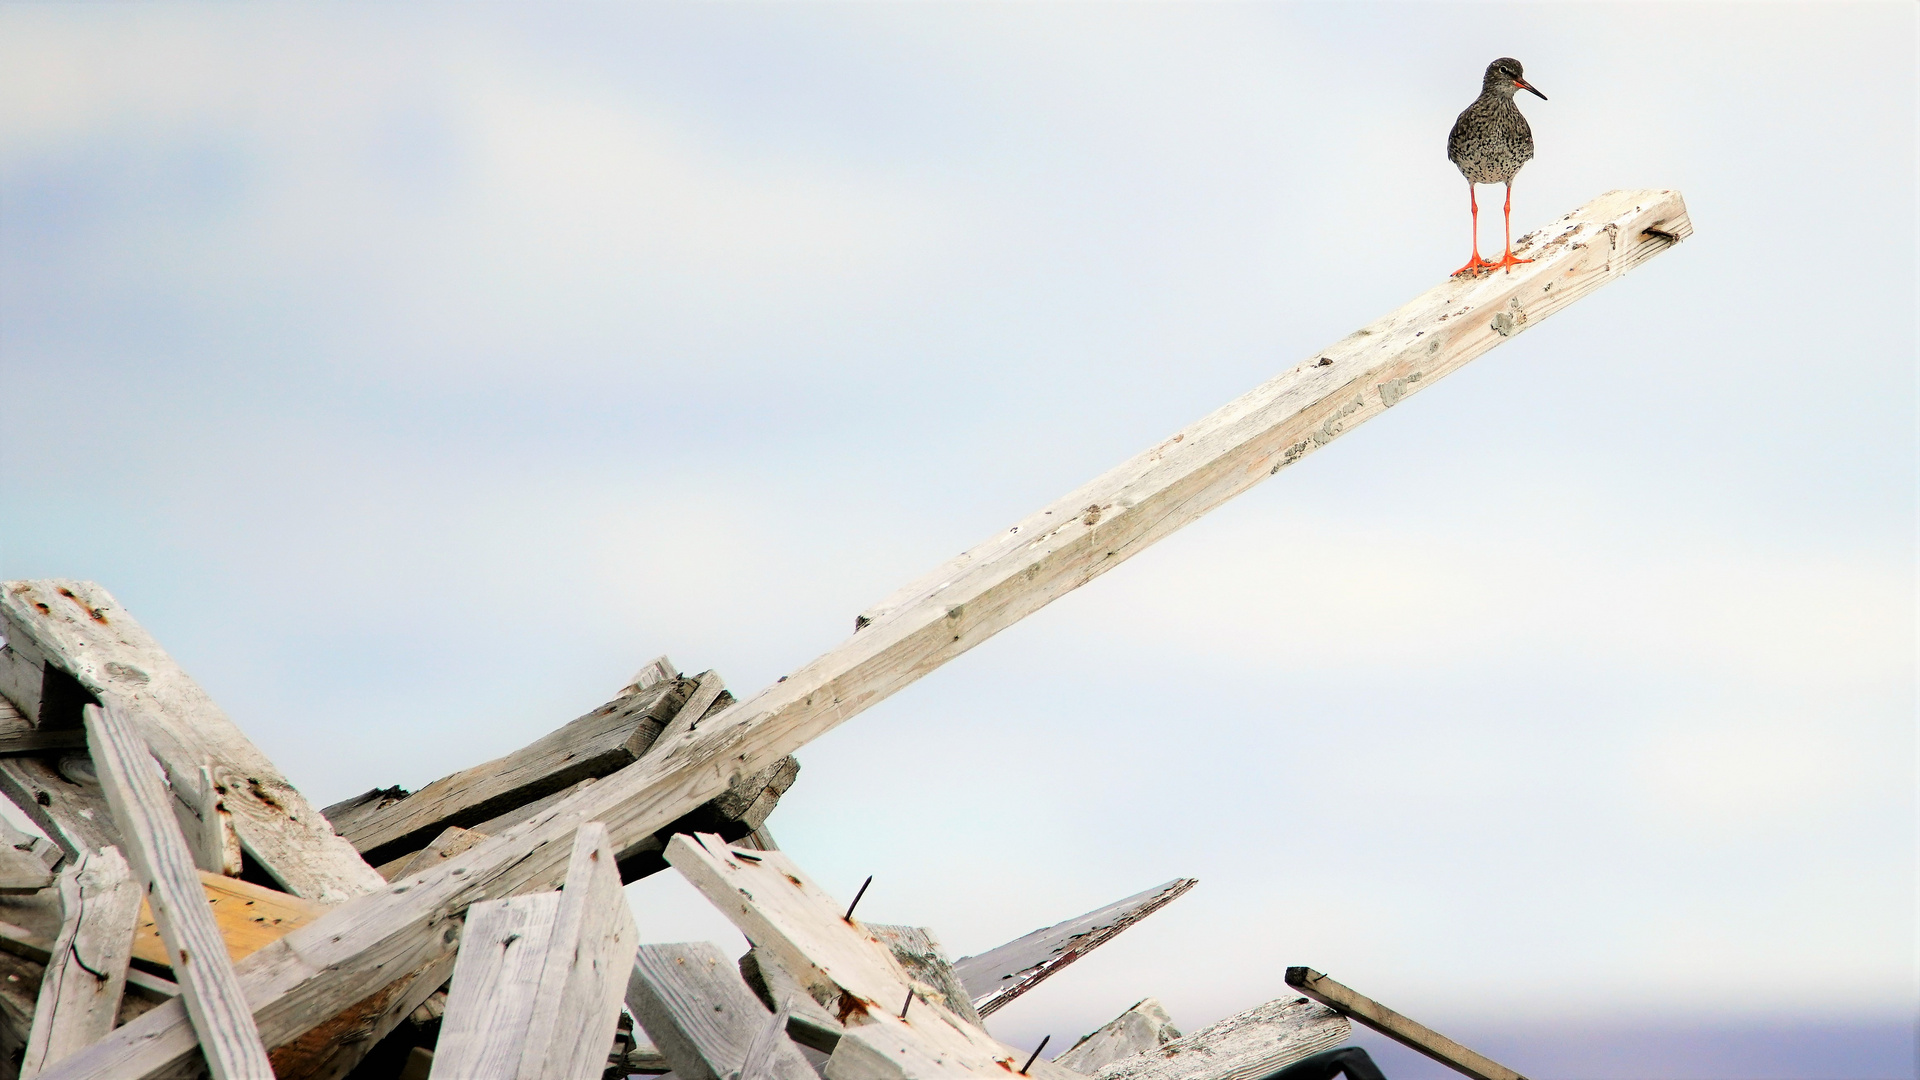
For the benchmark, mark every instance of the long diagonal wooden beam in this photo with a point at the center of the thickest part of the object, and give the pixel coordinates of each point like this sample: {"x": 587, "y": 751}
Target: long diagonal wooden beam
{"x": 310, "y": 975}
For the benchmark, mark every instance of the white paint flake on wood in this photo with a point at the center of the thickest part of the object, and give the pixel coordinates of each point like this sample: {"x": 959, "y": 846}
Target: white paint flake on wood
{"x": 214, "y": 1000}
{"x": 319, "y": 970}
{"x": 502, "y": 953}
{"x": 1245, "y": 1046}
{"x": 80, "y": 627}
{"x": 1409, "y": 1033}
{"x": 1001, "y": 974}
{"x": 1143, "y": 1027}
{"x": 588, "y": 961}
{"x": 87, "y": 970}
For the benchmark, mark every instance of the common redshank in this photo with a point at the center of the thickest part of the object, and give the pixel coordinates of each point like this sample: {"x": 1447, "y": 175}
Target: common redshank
{"x": 1489, "y": 143}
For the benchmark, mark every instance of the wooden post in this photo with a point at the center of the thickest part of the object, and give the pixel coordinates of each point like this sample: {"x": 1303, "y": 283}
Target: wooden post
{"x": 317, "y": 971}
{"x": 87, "y": 968}
{"x": 214, "y": 1000}
{"x": 1408, "y": 1033}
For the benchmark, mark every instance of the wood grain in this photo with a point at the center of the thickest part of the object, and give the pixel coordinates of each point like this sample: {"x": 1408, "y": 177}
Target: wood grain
{"x": 249, "y": 917}
{"x": 1245, "y": 1046}
{"x": 319, "y": 970}
{"x": 1408, "y": 1033}
{"x": 589, "y": 957}
{"x": 86, "y": 975}
{"x": 215, "y": 1002}
{"x": 697, "y": 1011}
{"x": 79, "y": 627}
{"x": 1143, "y": 1027}
{"x": 484, "y": 1033}
{"x": 844, "y": 965}
{"x": 601, "y": 742}
{"x": 73, "y": 813}
{"x": 918, "y": 950}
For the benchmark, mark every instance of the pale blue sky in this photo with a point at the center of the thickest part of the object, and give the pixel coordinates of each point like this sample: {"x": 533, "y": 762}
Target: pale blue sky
{"x": 417, "y": 372}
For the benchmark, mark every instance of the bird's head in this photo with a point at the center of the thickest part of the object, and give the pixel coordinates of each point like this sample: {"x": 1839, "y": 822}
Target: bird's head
{"x": 1504, "y": 76}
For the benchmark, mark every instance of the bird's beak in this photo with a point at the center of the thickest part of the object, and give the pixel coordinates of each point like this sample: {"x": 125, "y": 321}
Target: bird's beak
{"x": 1527, "y": 86}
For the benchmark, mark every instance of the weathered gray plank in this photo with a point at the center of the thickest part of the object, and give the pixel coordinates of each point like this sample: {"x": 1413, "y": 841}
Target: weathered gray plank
{"x": 659, "y": 669}
{"x": 16, "y": 940}
{"x": 591, "y": 952}
{"x": 44, "y": 852}
{"x": 706, "y": 691}
{"x": 82, "y": 631}
{"x": 1144, "y": 1026}
{"x": 143, "y": 809}
{"x": 1409, "y": 1033}
{"x": 1245, "y": 1046}
{"x": 601, "y": 742}
{"x": 697, "y": 1011}
{"x": 484, "y": 1033}
{"x": 772, "y": 902}
{"x": 349, "y": 814}
{"x": 206, "y": 822}
{"x": 808, "y": 1023}
{"x": 69, "y": 809}
{"x": 22, "y": 871}
{"x": 87, "y": 975}
{"x": 318, "y": 970}
{"x": 999, "y": 975}
{"x": 918, "y": 950}
{"x": 445, "y": 846}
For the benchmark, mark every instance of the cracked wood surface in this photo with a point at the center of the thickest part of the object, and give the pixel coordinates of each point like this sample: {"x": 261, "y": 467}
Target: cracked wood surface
{"x": 143, "y": 809}
{"x": 78, "y": 628}
{"x": 1245, "y": 1046}
{"x": 316, "y": 971}
{"x": 86, "y": 973}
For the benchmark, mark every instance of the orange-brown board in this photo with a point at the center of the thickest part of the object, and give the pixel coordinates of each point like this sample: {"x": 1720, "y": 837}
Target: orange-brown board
{"x": 250, "y": 918}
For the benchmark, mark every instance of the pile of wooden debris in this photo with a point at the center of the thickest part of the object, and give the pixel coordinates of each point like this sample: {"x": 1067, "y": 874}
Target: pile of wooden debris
{"x": 184, "y": 909}
{"x": 158, "y": 787}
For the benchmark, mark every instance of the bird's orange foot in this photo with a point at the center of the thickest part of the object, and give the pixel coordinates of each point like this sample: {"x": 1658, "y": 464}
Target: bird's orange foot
{"x": 1473, "y": 267}
{"x": 1507, "y": 261}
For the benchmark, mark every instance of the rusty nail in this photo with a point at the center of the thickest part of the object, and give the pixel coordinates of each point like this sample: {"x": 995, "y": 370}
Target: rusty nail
{"x": 1036, "y": 1055}
{"x": 857, "y": 896}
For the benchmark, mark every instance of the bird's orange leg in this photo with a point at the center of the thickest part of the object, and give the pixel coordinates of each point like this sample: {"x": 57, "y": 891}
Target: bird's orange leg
{"x": 1508, "y": 259}
{"x": 1475, "y": 263}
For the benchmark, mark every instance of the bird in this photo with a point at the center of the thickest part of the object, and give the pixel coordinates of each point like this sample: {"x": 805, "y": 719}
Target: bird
{"x": 1489, "y": 142}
